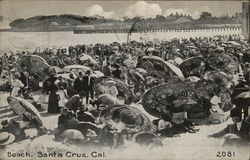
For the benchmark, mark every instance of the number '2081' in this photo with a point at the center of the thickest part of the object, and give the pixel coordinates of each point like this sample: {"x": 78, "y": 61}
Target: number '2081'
{"x": 225, "y": 154}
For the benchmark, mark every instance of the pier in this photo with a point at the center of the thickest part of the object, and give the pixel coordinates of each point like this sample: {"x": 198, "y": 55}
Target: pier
{"x": 105, "y": 31}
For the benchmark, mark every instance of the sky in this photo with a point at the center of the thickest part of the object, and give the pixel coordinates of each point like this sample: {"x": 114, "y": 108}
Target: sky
{"x": 14, "y": 9}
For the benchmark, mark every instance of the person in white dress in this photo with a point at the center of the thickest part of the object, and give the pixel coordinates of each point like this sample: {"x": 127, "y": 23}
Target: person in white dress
{"x": 16, "y": 85}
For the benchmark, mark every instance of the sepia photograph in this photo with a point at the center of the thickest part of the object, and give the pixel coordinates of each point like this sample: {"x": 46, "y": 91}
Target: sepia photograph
{"x": 167, "y": 80}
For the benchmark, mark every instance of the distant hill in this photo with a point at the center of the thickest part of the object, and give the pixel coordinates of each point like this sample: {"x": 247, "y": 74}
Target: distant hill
{"x": 69, "y": 22}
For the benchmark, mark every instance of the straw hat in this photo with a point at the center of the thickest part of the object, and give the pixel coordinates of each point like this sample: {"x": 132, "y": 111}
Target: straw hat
{"x": 6, "y": 138}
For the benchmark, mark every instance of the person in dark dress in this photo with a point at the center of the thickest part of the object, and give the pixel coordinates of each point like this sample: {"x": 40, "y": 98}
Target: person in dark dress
{"x": 78, "y": 83}
{"x": 88, "y": 84}
{"x": 49, "y": 84}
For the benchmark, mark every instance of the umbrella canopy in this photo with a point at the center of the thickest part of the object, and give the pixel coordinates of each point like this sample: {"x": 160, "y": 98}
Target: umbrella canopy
{"x": 194, "y": 66}
{"x": 83, "y": 127}
{"x": 243, "y": 95}
{"x": 243, "y": 99}
{"x": 193, "y": 79}
{"x": 141, "y": 71}
{"x": 123, "y": 89}
{"x": 219, "y": 78}
{"x": 87, "y": 58}
{"x": 222, "y": 62}
{"x": 34, "y": 65}
{"x": 57, "y": 69}
{"x": 156, "y": 66}
{"x": 234, "y": 43}
{"x": 97, "y": 74}
{"x": 72, "y": 134}
{"x": 146, "y": 138}
{"x": 160, "y": 99}
{"x": 133, "y": 118}
{"x": 76, "y": 69}
{"x": 21, "y": 106}
{"x": 204, "y": 91}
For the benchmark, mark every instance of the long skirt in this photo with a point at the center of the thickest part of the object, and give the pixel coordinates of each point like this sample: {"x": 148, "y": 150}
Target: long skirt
{"x": 53, "y": 105}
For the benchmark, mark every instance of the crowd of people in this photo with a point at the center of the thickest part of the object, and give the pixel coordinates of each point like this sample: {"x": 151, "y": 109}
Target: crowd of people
{"x": 81, "y": 105}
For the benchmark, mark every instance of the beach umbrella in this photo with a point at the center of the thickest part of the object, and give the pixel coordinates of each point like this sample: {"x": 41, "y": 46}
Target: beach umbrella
{"x": 76, "y": 69}
{"x": 222, "y": 62}
{"x": 87, "y": 58}
{"x": 243, "y": 99}
{"x": 83, "y": 127}
{"x": 204, "y": 91}
{"x": 123, "y": 89}
{"x": 243, "y": 95}
{"x": 72, "y": 134}
{"x": 57, "y": 69}
{"x": 217, "y": 77}
{"x": 159, "y": 99}
{"x": 234, "y": 43}
{"x": 141, "y": 71}
{"x": 133, "y": 118}
{"x": 193, "y": 79}
{"x": 22, "y": 107}
{"x": 97, "y": 74}
{"x": 146, "y": 138}
{"x": 35, "y": 65}
{"x": 155, "y": 66}
{"x": 194, "y": 66}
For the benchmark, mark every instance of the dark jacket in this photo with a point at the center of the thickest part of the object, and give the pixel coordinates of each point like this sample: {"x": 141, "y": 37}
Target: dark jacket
{"x": 78, "y": 85}
{"x": 86, "y": 85}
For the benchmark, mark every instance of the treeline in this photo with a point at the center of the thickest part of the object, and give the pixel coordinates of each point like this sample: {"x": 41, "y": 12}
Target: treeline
{"x": 70, "y": 21}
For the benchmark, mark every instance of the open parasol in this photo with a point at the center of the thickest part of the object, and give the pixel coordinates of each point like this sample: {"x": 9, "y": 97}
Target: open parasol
{"x": 160, "y": 99}
{"x": 34, "y": 65}
{"x": 217, "y": 77}
{"x": 133, "y": 118}
{"x": 158, "y": 67}
{"x": 141, "y": 71}
{"x": 76, "y": 69}
{"x": 72, "y": 134}
{"x": 222, "y": 62}
{"x": 146, "y": 138}
{"x": 21, "y": 106}
{"x": 194, "y": 66}
{"x": 233, "y": 43}
{"x": 87, "y": 58}
{"x": 83, "y": 127}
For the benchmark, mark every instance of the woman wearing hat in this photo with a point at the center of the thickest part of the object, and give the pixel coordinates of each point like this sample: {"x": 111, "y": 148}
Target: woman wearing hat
{"x": 50, "y": 86}
{"x": 16, "y": 85}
